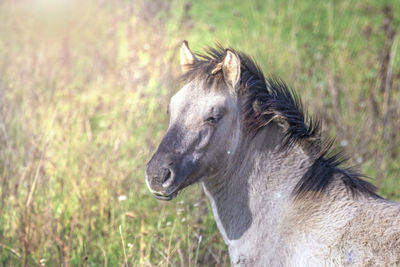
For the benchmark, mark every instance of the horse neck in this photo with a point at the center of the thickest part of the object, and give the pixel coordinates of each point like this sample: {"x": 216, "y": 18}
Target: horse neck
{"x": 256, "y": 187}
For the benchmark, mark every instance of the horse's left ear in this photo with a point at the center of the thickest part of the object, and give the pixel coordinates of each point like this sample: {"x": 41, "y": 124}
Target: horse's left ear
{"x": 231, "y": 68}
{"x": 187, "y": 57}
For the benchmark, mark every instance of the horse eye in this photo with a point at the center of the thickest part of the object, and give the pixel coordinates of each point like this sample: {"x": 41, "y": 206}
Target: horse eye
{"x": 215, "y": 116}
{"x": 212, "y": 119}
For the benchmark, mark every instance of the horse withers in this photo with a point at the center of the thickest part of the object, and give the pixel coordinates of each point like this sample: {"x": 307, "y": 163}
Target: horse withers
{"x": 279, "y": 197}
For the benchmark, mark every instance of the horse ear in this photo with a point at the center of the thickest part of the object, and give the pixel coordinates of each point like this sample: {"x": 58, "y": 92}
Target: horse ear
{"x": 187, "y": 57}
{"x": 231, "y": 68}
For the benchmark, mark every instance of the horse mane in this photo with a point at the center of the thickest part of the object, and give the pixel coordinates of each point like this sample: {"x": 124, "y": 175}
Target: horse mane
{"x": 263, "y": 100}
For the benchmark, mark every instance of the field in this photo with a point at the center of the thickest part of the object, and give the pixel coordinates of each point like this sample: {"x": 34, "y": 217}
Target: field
{"x": 83, "y": 99}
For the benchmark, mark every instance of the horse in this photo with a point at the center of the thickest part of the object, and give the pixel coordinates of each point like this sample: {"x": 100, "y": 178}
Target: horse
{"x": 279, "y": 195}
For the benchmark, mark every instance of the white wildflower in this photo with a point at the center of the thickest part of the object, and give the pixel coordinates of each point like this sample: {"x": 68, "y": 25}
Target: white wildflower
{"x": 344, "y": 143}
{"x": 122, "y": 198}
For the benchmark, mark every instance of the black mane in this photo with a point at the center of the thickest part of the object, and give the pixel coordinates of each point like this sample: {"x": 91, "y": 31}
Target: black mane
{"x": 264, "y": 100}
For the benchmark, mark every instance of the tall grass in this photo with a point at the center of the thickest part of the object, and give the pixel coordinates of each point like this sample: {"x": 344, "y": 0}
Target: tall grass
{"x": 82, "y": 108}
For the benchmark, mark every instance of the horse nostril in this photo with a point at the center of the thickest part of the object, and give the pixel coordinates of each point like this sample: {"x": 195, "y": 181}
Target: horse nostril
{"x": 168, "y": 178}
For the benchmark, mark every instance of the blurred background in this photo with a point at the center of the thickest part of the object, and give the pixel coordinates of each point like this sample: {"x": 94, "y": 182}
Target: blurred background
{"x": 83, "y": 95}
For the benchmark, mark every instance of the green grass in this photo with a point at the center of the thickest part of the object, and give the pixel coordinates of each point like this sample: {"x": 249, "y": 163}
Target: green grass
{"x": 82, "y": 110}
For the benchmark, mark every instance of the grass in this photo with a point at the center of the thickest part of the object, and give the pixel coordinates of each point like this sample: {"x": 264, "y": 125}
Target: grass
{"x": 83, "y": 107}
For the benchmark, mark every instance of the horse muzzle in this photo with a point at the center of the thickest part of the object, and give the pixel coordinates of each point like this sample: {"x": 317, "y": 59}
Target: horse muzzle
{"x": 165, "y": 176}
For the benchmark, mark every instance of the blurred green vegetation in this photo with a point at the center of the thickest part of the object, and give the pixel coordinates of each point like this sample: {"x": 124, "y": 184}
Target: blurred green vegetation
{"x": 82, "y": 107}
